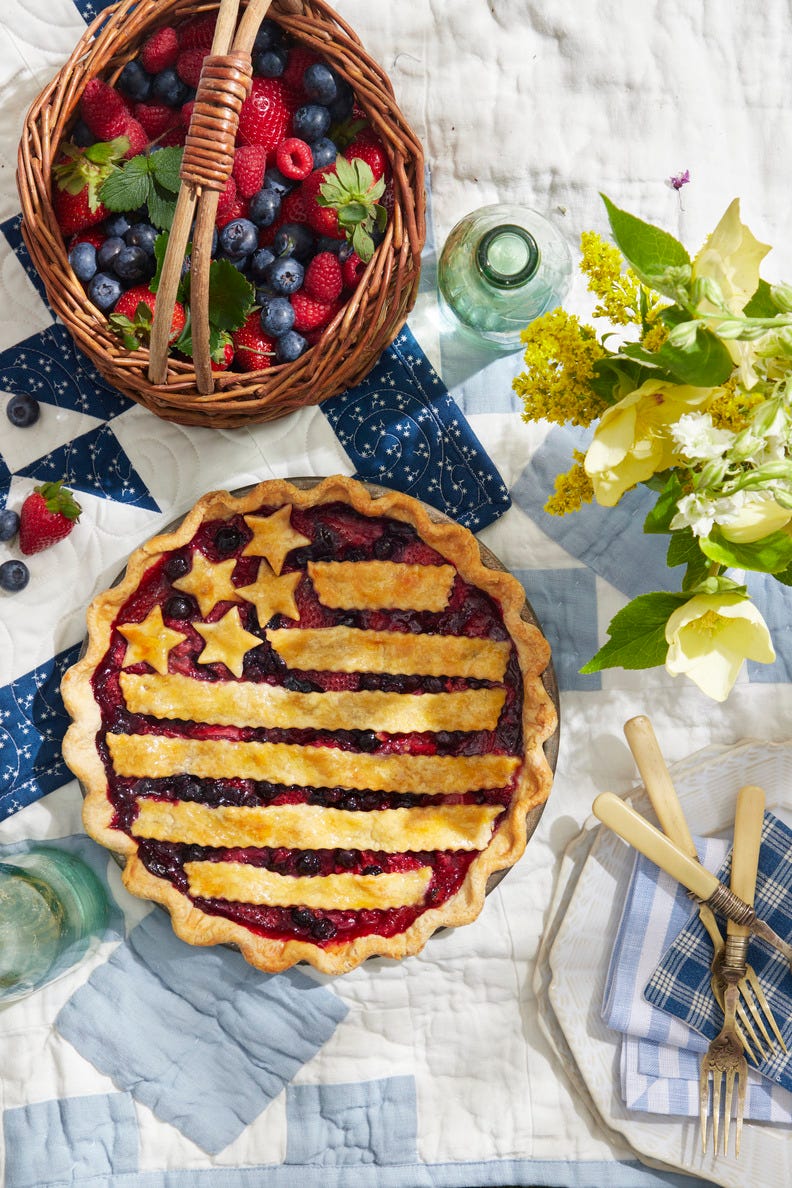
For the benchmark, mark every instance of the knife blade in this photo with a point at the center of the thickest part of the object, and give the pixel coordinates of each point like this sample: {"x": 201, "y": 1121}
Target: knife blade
{"x": 654, "y": 845}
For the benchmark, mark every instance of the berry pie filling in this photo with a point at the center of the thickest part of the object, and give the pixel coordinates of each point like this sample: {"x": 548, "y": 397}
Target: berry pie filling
{"x": 311, "y": 724}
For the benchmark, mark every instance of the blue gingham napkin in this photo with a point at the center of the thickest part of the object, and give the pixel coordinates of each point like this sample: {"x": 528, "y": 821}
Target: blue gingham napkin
{"x": 197, "y": 1035}
{"x": 660, "y": 1047}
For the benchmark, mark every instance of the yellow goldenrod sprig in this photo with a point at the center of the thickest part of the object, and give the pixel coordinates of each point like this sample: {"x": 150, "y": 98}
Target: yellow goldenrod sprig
{"x": 618, "y": 292}
{"x": 560, "y": 355}
{"x": 572, "y": 489}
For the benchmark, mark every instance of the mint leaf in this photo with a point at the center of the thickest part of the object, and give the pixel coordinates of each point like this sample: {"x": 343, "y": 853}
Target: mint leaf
{"x": 771, "y": 554}
{"x": 637, "y": 634}
{"x": 127, "y": 188}
{"x": 166, "y": 164}
{"x": 231, "y": 296}
{"x": 647, "y": 249}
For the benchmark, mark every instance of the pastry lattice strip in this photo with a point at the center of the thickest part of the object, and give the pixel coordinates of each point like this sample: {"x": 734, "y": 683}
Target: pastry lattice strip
{"x": 241, "y": 883}
{"x": 377, "y": 585}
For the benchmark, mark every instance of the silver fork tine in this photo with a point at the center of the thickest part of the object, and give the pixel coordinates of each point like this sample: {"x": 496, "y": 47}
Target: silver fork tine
{"x": 716, "y": 1097}
{"x": 765, "y": 1007}
{"x": 727, "y": 1105}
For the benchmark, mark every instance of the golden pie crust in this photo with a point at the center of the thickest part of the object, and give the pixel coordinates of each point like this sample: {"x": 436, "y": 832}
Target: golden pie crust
{"x": 164, "y": 695}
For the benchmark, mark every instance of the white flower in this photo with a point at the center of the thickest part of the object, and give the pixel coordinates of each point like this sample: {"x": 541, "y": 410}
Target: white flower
{"x": 696, "y": 512}
{"x": 697, "y": 438}
{"x": 711, "y": 635}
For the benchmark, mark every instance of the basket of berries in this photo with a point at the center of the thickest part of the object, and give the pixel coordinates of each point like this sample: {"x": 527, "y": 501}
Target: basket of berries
{"x": 225, "y": 204}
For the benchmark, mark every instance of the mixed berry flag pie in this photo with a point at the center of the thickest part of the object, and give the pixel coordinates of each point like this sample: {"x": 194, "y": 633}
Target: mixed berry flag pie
{"x": 313, "y": 723}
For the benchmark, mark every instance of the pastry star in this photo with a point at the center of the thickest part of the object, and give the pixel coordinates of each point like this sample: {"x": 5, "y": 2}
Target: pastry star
{"x": 150, "y": 640}
{"x": 209, "y": 583}
{"x": 273, "y": 537}
{"x": 272, "y": 595}
{"x": 226, "y": 641}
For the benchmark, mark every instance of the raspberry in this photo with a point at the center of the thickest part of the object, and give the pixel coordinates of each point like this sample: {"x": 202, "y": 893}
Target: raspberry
{"x": 294, "y": 158}
{"x": 160, "y": 50}
{"x": 103, "y": 110}
{"x": 352, "y": 270}
{"x": 188, "y": 66}
{"x": 136, "y": 135}
{"x": 250, "y": 161}
{"x": 237, "y": 210}
{"x": 155, "y": 118}
{"x": 185, "y": 113}
{"x": 299, "y": 61}
{"x": 323, "y": 278}
{"x": 310, "y": 314}
{"x": 198, "y": 33}
{"x": 227, "y": 196}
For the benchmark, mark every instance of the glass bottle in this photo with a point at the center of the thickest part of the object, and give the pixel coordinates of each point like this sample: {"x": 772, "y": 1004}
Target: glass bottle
{"x": 52, "y": 909}
{"x": 501, "y": 267}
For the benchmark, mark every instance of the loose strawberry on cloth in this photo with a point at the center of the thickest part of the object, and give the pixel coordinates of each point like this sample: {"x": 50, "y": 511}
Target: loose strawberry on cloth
{"x": 48, "y": 515}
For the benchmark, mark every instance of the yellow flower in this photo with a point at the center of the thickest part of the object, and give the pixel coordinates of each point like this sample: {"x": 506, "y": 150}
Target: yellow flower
{"x": 617, "y": 291}
{"x": 560, "y": 354}
{"x": 632, "y": 441}
{"x": 571, "y": 489}
{"x": 654, "y": 336}
{"x": 731, "y": 257}
{"x": 731, "y": 406}
{"x": 711, "y": 635}
{"x": 757, "y": 518}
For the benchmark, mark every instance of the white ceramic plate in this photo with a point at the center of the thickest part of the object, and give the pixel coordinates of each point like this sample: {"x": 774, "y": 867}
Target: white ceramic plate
{"x": 707, "y": 784}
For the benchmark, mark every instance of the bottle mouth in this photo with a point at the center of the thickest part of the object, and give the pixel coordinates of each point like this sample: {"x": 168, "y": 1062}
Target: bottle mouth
{"x": 507, "y": 256}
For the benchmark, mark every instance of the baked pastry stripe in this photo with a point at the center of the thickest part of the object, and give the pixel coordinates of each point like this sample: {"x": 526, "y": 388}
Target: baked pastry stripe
{"x": 241, "y": 883}
{"x": 375, "y": 585}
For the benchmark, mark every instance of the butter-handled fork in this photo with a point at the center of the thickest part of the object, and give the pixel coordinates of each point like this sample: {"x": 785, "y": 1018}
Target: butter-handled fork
{"x": 660, "y": 789}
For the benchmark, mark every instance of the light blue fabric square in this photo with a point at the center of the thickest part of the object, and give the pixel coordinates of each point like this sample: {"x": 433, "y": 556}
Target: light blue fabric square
{"x": 348, "y": 1125}
{"x": 774, "y": 602}
{"x": 565, "y": 603}
{"x": 197, "y": 1035}
{"x": 70, "y": 1140}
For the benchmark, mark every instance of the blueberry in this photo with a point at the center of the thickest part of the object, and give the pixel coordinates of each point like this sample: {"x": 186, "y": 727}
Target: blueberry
{"x": 290, "y": 346}
{"x": 264, "y": 207}
{"x": 9, "y": 524}
{"x": 323, "y": 928}
{"x": 302, "y": 917}
{"x": 238, "y": 262}
{"x": 260, "y": 262}
{"x": 23, "y": 410}
{"x": 320, "y": 81}
{"x": 108, "y": 252}
{"x": 324, "y": 152}
{"x": 134, "y": 82}
{"x": 239, "y": 238}
{"x": 275, "y": 180}
{"x": 270, "y": 63}
{"x": 285, "y": 275}
{"x": 142, "y": 235}
{"x": 117, "y": 225}
{"x": 228, "y": 539}
{"x": 82, "y": 258}
{"x": 82, "y": 135}
{"x": 264, "y": 293}
{"x": 293, "y": 239}
{"x": 104, "y": 291}
{"x": 311, "y": 121}
{"x": 269, "y": 36}
{"x": 277, "y": 316}
{"x": 373, "y": 869}
{"x": 346, "y": 858}
{"x": 14, "y": 576}
{"x": 309, "y": 863}
{"x": 169, "y": 88}
{"x": 341, "y": 107}
{"x": 132, "y": 264}
{"x": 176, "y": 566}
{"x": 179, "y": 607}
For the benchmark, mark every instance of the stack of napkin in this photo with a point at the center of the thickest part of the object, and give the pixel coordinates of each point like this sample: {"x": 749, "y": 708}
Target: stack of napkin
{"x": 658, "y": 994}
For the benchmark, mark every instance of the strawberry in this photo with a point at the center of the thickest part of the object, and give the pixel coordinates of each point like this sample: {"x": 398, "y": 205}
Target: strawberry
{"x": 352, "y": 270}
{"x": 103, "y": 110}
{"x": 227, "y": 359}
{"x": 310, "y": 314}
{"x": 47, "y": 515}
{"x": 155, "y": 118}
{"x": 160, "y": 50}
{"x": 343, "y": 202}
{"x": 197, "y": 33}
{"x": 266, "y": 114}
{"x": 368, "y": 147}
{"x": 323, "y": 279}
{"x": 78, "y": 176}
{"x": 294, "y": 207}
{"x": 137, "y": 136}
{"x": 189, "y": 64}
{"x": 93, "y": 235}
{"x": 250, "y": 161}
{"x": 133, "y": 317}
{"x": 237, "y": 210}
{"x": 323, "y": 219}
{"x": 174, "y": 137}
{"x": 294, "y": 158}
{"x": 254, "y": 349}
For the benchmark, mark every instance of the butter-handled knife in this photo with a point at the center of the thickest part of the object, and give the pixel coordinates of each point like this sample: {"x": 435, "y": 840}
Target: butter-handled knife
{"x": 660, "y": 789}
{"x": 649, "y": 841}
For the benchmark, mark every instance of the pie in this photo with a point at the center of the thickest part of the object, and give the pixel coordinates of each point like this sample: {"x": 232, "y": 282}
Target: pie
{"x": 312, "y": 721}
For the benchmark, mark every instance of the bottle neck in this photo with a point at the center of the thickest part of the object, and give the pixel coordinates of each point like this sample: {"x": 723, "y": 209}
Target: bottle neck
{"x": 507, "y": 256}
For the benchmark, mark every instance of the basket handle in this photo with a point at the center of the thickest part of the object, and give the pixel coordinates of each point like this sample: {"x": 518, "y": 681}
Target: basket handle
{"x": 206, "y": 167}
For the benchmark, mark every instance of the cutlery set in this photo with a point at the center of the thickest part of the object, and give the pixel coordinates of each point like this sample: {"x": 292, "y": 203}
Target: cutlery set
{"x": 749, "y": 1028}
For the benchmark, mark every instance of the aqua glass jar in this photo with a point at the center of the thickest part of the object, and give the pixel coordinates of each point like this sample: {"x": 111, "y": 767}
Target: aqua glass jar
{"x": 501, "y": 267}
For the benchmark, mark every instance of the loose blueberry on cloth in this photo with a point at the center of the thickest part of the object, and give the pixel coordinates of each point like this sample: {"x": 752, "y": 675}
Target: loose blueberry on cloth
{"x": 657, "y": 992}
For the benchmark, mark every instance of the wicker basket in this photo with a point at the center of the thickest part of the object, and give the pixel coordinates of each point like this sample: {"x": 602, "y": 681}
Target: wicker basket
{"x": 350, "y": 345}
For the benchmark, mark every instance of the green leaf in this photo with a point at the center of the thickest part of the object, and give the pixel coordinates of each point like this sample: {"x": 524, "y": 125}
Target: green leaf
{"x": 362, "y": 243}
{"x": 352, "y": 213}
{"x": 160, "y": 248}
{"x": 706, "y": 364}
{"x": 761, "y": 305}
{"x": 660, "y": 517}
{"x": 165, "y": 166}
{"x": 161, "y": 206}
{"x": 105, "y": 151}
{"x": 637, "y": 634}
{"x": 771, "y": 554}
{"x": 231, "y": 296}
{"x": 127, "y": 188}
{"x": 648, "y": 250}
{"x": 347, "y": 173}
{"x": 381, "y": 217}
{"x": 683, "y": 549}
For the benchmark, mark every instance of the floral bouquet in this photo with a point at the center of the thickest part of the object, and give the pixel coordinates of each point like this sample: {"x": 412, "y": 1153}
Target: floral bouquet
{"x": 689, "y": 393}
